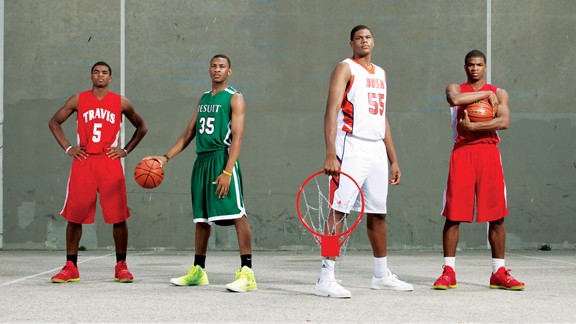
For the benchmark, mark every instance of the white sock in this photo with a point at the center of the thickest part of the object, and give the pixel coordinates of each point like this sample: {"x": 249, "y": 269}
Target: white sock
{"x": 327, "y": 273}
{"x": 497, "y": 264}
{"x": 451, "y": 262}
{"x": 380, "y": 267}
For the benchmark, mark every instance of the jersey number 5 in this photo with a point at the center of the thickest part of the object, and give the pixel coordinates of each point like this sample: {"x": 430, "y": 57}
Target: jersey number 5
{"x": 376, "y": 102}
{"x": 97, "y": 133}
{"x": 206, "y": 125}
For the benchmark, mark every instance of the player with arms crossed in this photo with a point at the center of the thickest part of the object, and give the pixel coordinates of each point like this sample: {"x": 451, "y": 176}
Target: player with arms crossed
{"x": 218, "y": 125}
{"x": 359, "y": 142}
{"x": 476, "y": 174}
{"x": 96, "y": 167}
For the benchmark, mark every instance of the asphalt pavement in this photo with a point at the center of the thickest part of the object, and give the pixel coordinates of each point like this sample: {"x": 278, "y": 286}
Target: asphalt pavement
{"x": 285, "y": 289}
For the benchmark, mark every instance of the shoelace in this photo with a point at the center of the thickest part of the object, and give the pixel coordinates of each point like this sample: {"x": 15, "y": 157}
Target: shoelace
{"x": 508, "y": 276}
{"x": 194, "y": 274}
{"x": 332, "y": 280}
{"x": 123, "y": 269}
{"x": 446, "y": 277}
{"x": 336, "y": 281}
{"x": 242, "y": 274}
{"x": 445, "y": 274}
{"x": 66, "y": 271}
{"x": 391, "y": 275}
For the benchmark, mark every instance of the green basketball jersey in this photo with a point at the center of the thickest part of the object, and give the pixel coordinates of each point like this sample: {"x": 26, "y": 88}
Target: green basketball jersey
{"x": 213, "y": 126}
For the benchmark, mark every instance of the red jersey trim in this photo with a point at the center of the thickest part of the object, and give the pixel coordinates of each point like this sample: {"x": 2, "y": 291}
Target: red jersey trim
{"x": 348, "y": 109}
{"x": 371, "y": 70}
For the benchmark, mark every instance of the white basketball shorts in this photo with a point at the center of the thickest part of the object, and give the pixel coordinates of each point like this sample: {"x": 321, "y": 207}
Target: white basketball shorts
{"x": 366, "y": 162}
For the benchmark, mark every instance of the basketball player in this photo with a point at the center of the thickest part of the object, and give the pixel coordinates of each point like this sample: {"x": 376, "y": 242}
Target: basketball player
{"x": 96, "y": 167}
{"x": 218, "y": 125}
{"x": 359, "y": 142}
{"x": 475, "y": 173}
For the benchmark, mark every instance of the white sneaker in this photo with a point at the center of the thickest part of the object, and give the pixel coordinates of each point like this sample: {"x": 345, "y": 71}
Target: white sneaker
{"x": 390, "y": 282}
{"x": 331, "y": 288}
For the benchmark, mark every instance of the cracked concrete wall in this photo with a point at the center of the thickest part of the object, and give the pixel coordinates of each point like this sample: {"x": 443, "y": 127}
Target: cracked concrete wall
{"x": 282, "y": 55}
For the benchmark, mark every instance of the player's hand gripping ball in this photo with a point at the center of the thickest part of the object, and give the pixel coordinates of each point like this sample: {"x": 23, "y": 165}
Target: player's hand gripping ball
{"x": 480, "y": 111}
{"x": 149, "y": 173}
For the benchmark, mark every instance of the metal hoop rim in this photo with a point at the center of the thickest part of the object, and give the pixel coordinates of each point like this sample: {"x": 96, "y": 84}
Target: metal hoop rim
{"x": 321, "y": 235}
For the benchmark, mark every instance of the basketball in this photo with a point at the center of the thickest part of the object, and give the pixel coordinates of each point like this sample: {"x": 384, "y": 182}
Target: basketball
{"x": 149, "y": 173}
{"x": 480, "y": 111}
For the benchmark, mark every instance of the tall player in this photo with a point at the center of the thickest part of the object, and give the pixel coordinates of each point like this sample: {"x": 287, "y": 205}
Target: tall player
{"x": 359, "y": 142}
{"x": 96, "y": 167}
{"x": 218, "y": 126}
{"x": 475, "y": 173}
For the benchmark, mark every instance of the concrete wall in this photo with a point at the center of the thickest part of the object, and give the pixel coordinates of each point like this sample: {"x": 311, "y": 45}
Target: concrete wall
{"x": 283, "y": 52}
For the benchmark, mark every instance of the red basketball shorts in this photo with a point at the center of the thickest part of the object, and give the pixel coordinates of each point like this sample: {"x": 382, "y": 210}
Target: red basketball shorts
{"x": 96, "y": 174}
{"x": 475, "y": 178}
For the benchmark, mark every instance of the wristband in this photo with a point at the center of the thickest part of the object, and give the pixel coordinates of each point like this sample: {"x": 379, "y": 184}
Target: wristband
{"x": 68, "y": 149}
{"x": 227, "y": 173}
{"x": 125, "y": 151}
{"x": 167, "y": 158}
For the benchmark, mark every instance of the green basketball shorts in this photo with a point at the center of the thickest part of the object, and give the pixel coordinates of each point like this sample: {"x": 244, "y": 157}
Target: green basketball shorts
{"x": 207, "y": 207}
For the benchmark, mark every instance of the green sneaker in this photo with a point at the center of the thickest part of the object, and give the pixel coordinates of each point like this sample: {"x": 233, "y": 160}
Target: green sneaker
{"x": 196, "y": 277}
{"x": 244, "y": 281}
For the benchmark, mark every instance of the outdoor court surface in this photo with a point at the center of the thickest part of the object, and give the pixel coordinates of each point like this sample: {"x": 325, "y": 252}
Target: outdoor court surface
{"x": 285, "y": 289}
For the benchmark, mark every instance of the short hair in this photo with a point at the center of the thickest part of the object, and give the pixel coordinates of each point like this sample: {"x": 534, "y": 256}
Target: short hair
{"x": 357, "y": 28}
{"x": 474, "y": 53}
{"x": 101, "y": 63}
{"x": 224, "y": 57}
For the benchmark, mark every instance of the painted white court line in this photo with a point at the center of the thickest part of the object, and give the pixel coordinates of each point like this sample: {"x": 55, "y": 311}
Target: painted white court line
{"x": 540, "y": 258}
{"x": 49, "y": 271}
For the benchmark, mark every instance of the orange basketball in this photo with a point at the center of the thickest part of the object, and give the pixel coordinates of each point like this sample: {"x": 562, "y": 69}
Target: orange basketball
{"x": 480, "y": 111}
{"x": 149, "y": 173}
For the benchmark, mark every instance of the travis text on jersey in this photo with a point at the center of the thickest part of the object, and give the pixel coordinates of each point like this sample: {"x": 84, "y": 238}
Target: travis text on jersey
{"x": 99, "y": 113}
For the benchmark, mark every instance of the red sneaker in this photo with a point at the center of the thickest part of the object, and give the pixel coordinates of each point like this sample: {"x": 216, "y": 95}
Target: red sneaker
{"x": 121, "y": 273}
{"x": 503, "y": 280}
{"x": 69, "y": 273}
{"x": 447, "y": 279}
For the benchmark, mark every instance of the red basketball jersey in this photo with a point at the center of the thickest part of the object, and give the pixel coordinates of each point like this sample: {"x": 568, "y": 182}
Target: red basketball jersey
{"x": 98, "y": 121}
{"x": 463, "y": 137}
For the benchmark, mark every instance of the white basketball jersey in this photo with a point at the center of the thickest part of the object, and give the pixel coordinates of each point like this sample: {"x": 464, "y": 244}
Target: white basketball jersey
{"x": 363, "y": 108}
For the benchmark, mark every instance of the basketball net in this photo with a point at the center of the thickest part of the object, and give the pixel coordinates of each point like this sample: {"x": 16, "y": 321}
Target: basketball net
{"x": 330, "y": 229}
